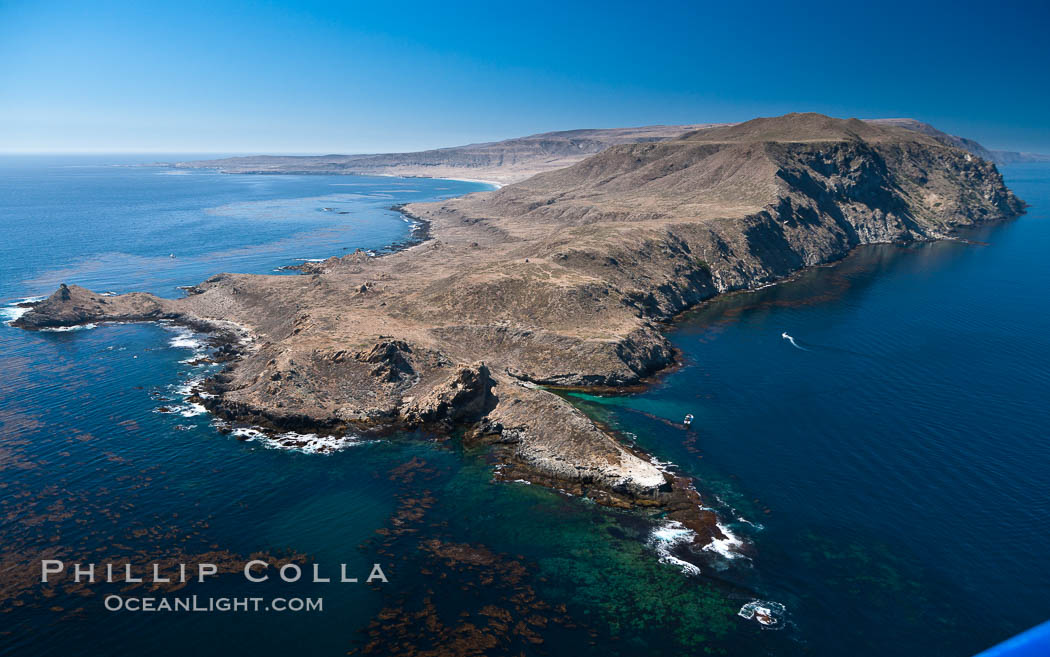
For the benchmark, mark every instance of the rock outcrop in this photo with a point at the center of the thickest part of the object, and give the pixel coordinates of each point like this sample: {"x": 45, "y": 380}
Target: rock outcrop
{"x": 70, "y": 305}
{"x": 565, "y": 279}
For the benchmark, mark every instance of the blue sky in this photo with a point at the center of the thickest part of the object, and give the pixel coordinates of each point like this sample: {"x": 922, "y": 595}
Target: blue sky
{"x": 316, "y": 77}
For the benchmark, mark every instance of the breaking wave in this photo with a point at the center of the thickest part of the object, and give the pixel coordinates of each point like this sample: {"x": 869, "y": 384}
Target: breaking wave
{"x": 65, "y": 329}
{"x": 13, "y": 310}
{"x": 185, "y": 338}
{"x": 726, "y": 547}
{"x": 307, "y": 443}
{"x": 770, "y": 615}
{"x": 665, "y": 537}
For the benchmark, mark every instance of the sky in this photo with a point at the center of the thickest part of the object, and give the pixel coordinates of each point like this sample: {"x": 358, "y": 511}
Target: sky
{"x": 347, "y": 77}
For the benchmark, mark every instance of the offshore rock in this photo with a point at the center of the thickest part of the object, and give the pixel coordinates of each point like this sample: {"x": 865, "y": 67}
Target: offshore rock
{"x": 71, "y": 305}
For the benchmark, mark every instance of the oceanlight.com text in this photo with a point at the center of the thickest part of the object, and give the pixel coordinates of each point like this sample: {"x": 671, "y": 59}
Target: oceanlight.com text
{"x": 194, "y": 603}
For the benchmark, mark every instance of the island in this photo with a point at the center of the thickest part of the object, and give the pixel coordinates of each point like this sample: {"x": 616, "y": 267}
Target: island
{"x": 514, "y": 160}
{"x": 566, "y": 279}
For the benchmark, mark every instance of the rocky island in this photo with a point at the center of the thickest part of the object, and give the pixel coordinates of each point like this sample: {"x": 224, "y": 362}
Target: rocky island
{"x": 564, "y": 279}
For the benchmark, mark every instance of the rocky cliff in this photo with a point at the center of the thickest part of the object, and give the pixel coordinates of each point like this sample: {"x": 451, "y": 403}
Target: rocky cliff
{"x": 565, "y": 279}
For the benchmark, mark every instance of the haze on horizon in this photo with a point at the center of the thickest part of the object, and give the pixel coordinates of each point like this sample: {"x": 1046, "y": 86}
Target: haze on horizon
{"x": 317, "y": 77}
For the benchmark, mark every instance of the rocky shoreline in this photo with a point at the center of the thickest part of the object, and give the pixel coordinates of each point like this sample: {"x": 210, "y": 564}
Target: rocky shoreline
{"x": 566, "y": 279}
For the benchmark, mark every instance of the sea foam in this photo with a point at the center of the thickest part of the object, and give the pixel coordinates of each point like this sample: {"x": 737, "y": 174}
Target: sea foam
{"x": 307, "y": 443}
{"x": 13, "y": 311}
{"x": 768, "y": 614}
{"x": 65, "y": 329}
{"x": 726, "y": 547}
{"x": 665, "y": 537}
{"x": 184, "y": 338}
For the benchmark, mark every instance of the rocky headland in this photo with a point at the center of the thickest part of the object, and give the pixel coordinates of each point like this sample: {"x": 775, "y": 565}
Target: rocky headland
{"x": 564, "y": 279}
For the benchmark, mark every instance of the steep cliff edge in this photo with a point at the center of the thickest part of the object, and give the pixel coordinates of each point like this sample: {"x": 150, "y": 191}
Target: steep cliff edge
{"x": 659, "y": 227}
{"x": 564, "y": 279}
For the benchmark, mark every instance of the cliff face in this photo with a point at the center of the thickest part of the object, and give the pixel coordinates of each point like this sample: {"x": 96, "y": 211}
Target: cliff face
{"x": 563, "y": 279}
{"x": 656, "y": 228}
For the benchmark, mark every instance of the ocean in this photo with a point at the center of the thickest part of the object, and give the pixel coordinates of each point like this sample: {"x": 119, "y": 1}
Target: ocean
{"x": 886, "y": 468}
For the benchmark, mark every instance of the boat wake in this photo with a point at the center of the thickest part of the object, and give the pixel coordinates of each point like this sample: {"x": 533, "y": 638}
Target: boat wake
{"x": 809, "y": 346}
{"x": 792, "y": 341}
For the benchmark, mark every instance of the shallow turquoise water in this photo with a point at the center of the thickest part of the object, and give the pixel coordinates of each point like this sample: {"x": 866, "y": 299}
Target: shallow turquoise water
{"x": 897, "y": 467}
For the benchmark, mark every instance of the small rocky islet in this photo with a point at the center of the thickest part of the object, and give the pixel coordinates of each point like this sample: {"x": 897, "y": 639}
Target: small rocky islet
{"x": 565, "y": 279}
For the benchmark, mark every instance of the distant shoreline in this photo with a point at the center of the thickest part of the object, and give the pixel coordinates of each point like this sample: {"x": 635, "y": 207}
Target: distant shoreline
{"x": 170, "y": 165}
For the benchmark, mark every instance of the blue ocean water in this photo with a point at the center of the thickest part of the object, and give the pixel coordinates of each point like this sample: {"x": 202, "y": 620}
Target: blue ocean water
{"x": 115, "y": 227}
{"x": 889, "y": 473}
{"x": 896, "y": 450}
